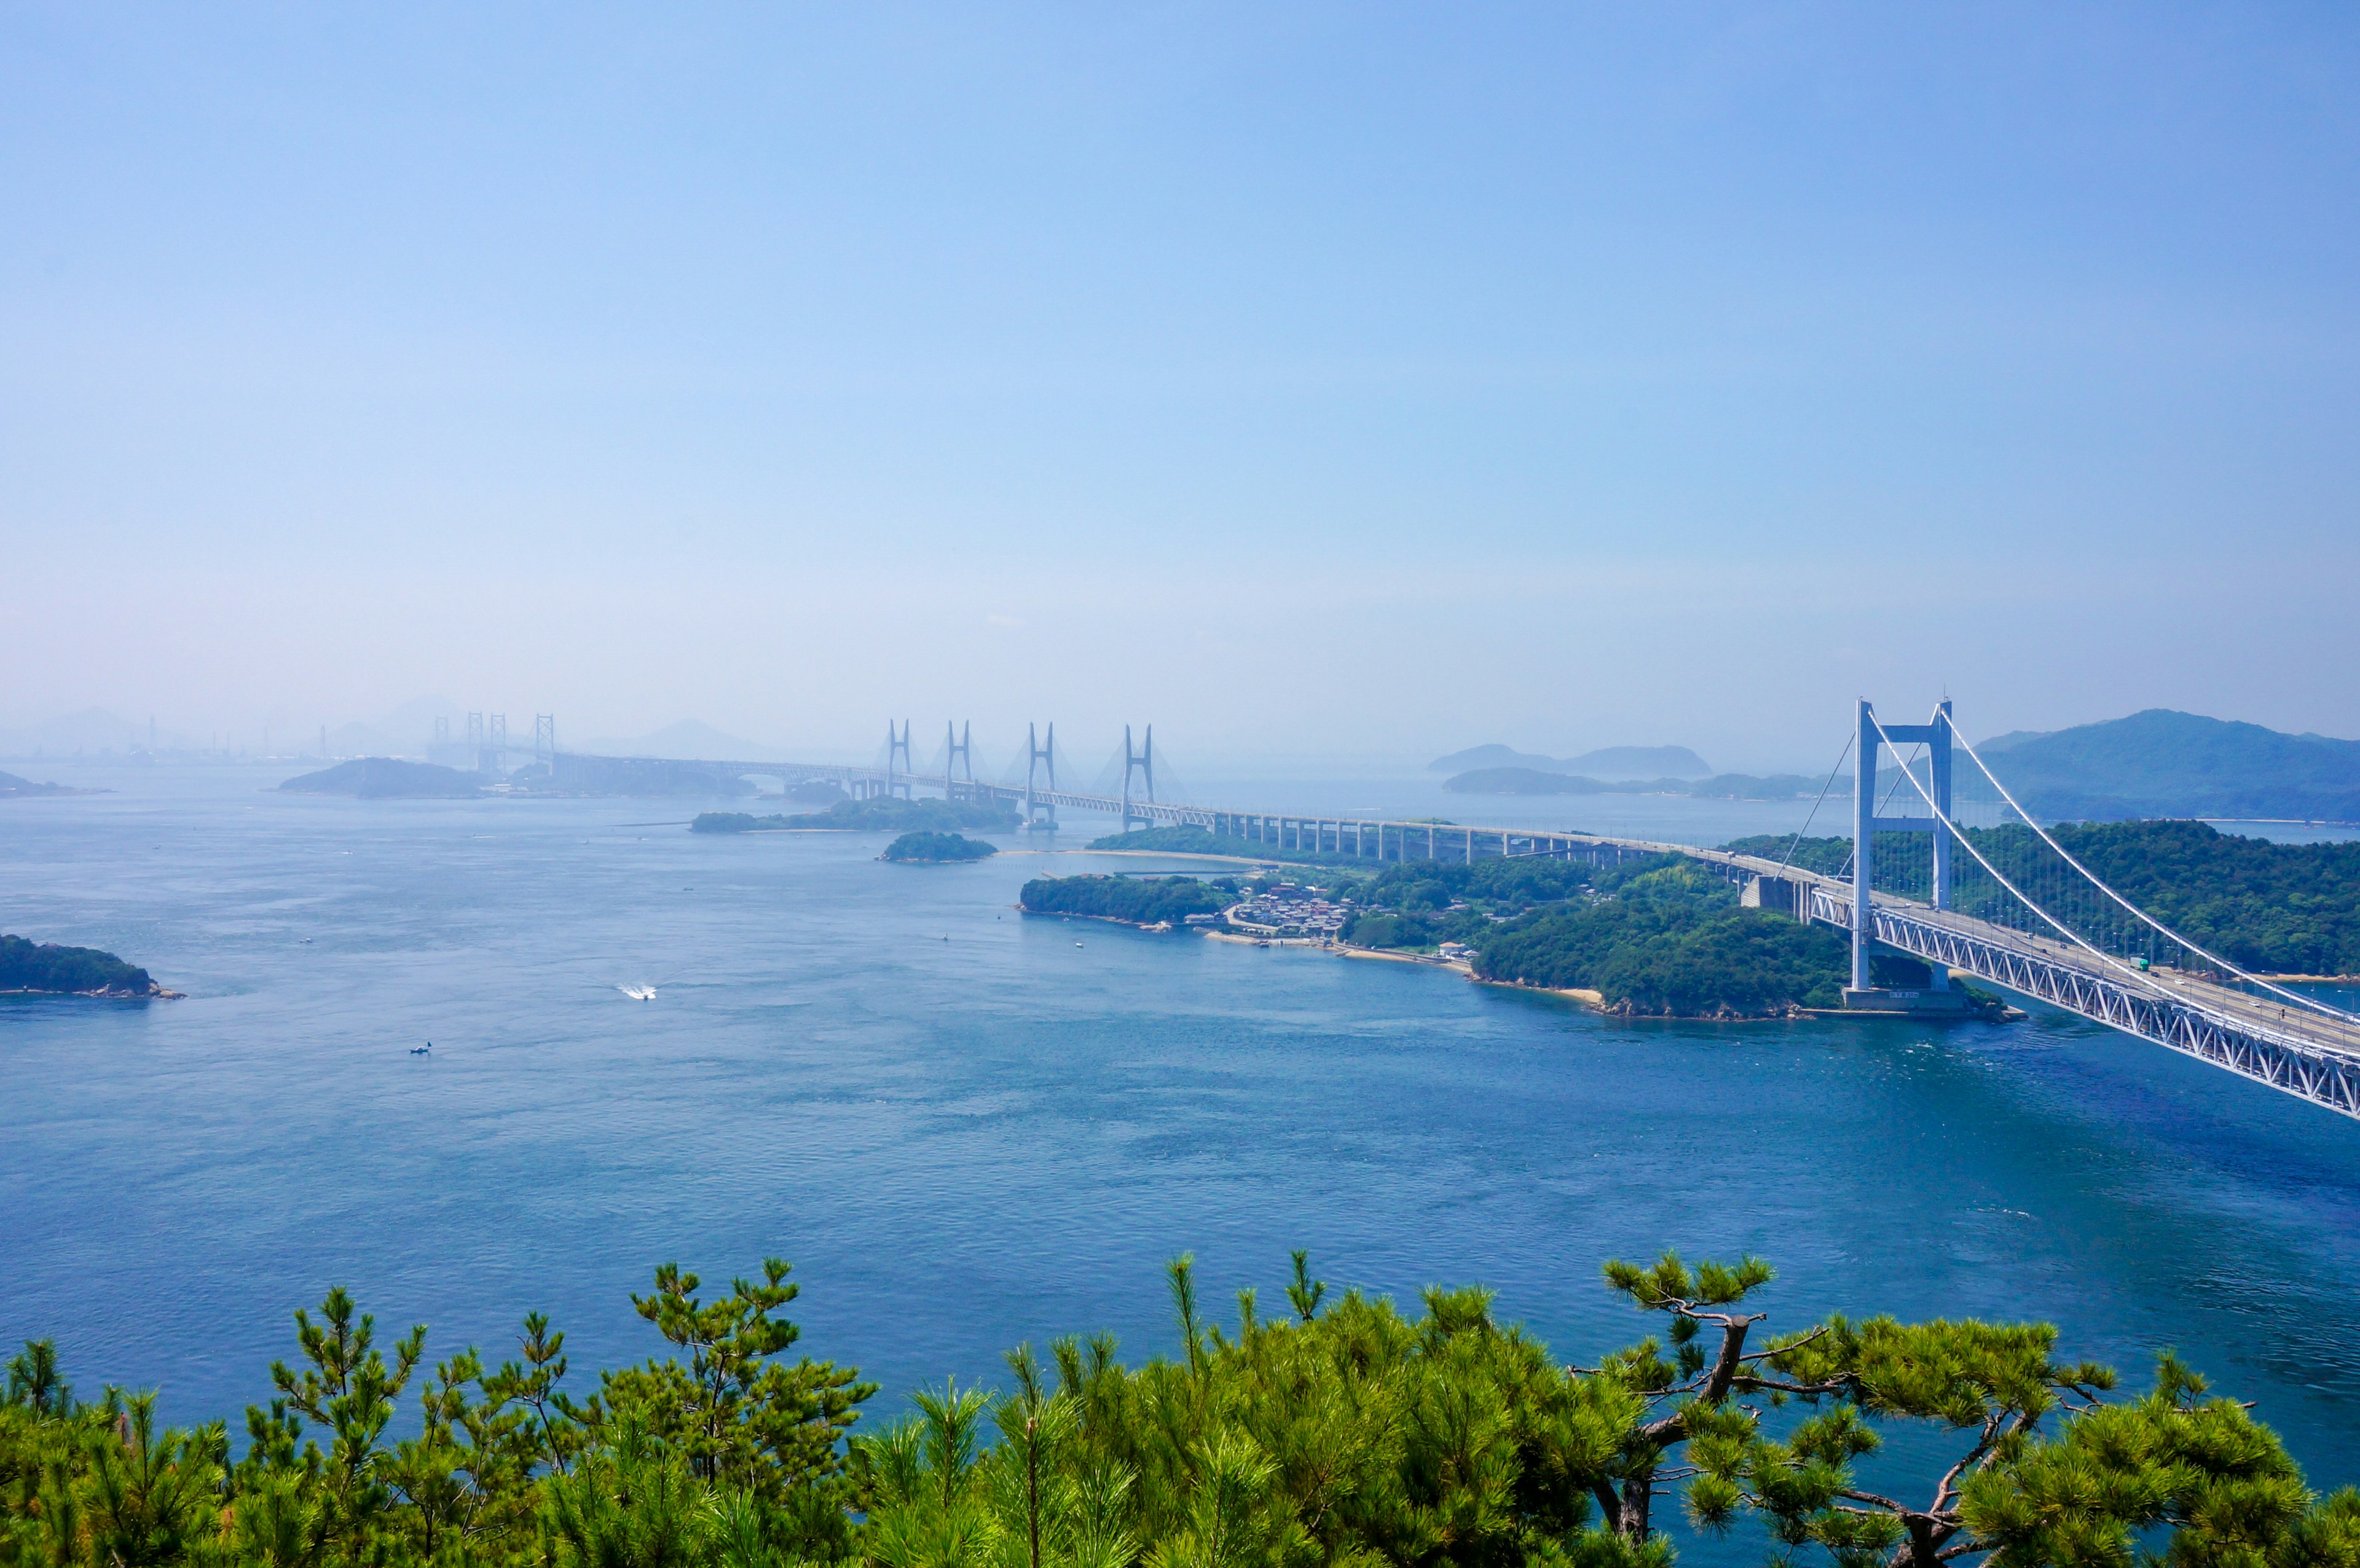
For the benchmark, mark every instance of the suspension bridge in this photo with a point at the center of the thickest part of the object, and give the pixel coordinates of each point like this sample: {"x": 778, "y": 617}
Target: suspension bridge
{"x": 2005, "y": 904}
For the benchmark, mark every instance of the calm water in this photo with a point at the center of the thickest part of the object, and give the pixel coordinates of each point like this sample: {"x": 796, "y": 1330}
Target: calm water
{"x": 968, "y": 1128}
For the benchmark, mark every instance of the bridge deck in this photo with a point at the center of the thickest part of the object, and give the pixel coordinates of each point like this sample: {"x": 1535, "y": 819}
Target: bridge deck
{"x": 2309, "y": 1055}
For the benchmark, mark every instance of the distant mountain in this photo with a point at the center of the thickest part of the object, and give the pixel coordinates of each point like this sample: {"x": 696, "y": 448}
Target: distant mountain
{"x": 1493, "y": 755}
{"x": 370, "y": 740}
{"x": 412, "y": 723}
{"x": 2166, "y": 764}
{"x": 90, "y": 731}
{"x": 387, "y": 778}
{"x": 1536, "y": 781}
{"x": 1639, "y": 762}
{"x": 1613, "y": 762}
{"x": 688, "y": 740}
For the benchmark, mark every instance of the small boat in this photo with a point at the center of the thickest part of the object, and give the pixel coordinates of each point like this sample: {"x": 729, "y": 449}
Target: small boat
{"x": 422, "y": 1050}
{"x": 638, "y": 993}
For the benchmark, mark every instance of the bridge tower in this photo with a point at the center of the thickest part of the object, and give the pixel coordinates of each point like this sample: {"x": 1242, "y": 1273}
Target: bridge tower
{"x": 897, "y": 745}
{"x": 960, "y": 749}
{"x": 1866, "y": 823}
{"x": 496, "y": 744}
{"x": 475, "y": 740}
{"x": 1142, "y": 762}
{"x": 1038, "y": 757}
{"x": 544, "y": 738}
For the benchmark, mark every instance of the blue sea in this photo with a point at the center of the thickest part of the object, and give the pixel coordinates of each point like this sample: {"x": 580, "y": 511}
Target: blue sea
{"x": 968, "y": 1128}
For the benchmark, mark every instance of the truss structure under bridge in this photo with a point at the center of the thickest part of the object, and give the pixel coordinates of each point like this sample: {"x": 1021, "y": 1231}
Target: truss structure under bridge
{"x": 2211, "y": 1023}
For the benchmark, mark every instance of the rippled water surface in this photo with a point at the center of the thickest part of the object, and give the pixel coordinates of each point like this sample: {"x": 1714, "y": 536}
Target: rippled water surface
{"x": 968, "y": 1128}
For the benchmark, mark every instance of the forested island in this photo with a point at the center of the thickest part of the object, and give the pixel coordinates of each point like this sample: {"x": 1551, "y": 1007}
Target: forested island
{"x": 886, "y": 814}
{"x": 1328, "y": 1428}
{"x": 44, "y": 969}
{"x": 388, "y": 778}
{"x": 2278, "y": 908}
{"x": 1660, "y": 937}
{"x": 1133, "y": 900}
{"x": 936, "y": 848}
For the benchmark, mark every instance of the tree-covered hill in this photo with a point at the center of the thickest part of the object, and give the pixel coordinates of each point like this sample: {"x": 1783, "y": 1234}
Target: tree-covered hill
{"x": 1141, "y": 900}
{"x": 2284, "y": 909}
{"x": 28, "y": 966}
{"x": 1670, "y": 940}
{"x": 936, "y": 847}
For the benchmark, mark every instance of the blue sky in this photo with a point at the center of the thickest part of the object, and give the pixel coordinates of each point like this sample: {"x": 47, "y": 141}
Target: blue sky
{"x": 1356, "y": 381}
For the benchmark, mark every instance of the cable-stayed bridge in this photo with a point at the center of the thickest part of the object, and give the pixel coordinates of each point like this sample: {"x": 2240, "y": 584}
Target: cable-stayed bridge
{"x": 2005, "y": 904}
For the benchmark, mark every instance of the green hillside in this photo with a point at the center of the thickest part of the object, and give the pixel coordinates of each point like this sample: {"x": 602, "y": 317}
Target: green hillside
{"x": 2284, "y": 909}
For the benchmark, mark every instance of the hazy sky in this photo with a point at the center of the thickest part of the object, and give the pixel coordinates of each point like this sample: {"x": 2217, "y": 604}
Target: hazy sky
{"x": 1355, "y": 381}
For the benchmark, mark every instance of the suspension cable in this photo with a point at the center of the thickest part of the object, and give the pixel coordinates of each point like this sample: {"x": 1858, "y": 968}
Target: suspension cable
{"x": 2295, "y": 996}
{"x": 2071, "y": 935}
{"x": 2064, "y": 930}
{"x": 1796, "y": 842}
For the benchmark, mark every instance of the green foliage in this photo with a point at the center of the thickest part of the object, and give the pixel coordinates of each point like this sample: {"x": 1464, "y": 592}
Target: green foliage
{"x": 1141, "y": 900}
{"x": 2272, "y": 908}
{"x": 1666, "y": 937}
{"x": 732, "y": 1413}
{"x": 26, "y": 965}
{"x": 1344, "y": 1435}
{"x": 885, "y": 814}
{"x": 936, "y": 846}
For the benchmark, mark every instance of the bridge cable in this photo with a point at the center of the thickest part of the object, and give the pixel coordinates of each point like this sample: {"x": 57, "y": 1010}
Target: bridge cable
{"x": 2148, "y": 981}
{"x": 1891, "y": 790}
{"x": 2067, "y": 932}
{"x": 1795, "y": 843}
{"x": 2296, "y": 997}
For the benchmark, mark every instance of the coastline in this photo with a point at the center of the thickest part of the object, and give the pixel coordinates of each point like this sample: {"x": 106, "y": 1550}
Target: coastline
{"x": 155, "y": 993}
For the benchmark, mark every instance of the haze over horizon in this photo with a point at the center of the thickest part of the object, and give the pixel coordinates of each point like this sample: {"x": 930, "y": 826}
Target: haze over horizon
{"x": 1347, "y": 383}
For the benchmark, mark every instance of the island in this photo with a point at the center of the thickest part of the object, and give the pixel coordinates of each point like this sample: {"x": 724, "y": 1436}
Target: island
{"x": 936, "y": 848}
{"x": 12, "y": 787}
{"x": 387, "y": 779}
{"x": 1660, "y": 937}
{"x": 886, "y": 814}
{"x": 1155, "y": 903}
{"x": 43, "y": 969}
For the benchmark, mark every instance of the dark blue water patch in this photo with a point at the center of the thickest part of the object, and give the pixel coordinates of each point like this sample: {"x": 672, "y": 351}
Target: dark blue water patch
{"x": 969, "y": 1128}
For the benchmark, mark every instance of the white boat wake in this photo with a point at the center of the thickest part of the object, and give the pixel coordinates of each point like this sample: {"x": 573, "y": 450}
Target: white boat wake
{"x": 638, "y": 993}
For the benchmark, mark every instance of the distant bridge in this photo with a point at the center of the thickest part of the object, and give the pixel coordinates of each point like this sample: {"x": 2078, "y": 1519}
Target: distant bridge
{"x": 2083, "y": 960}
